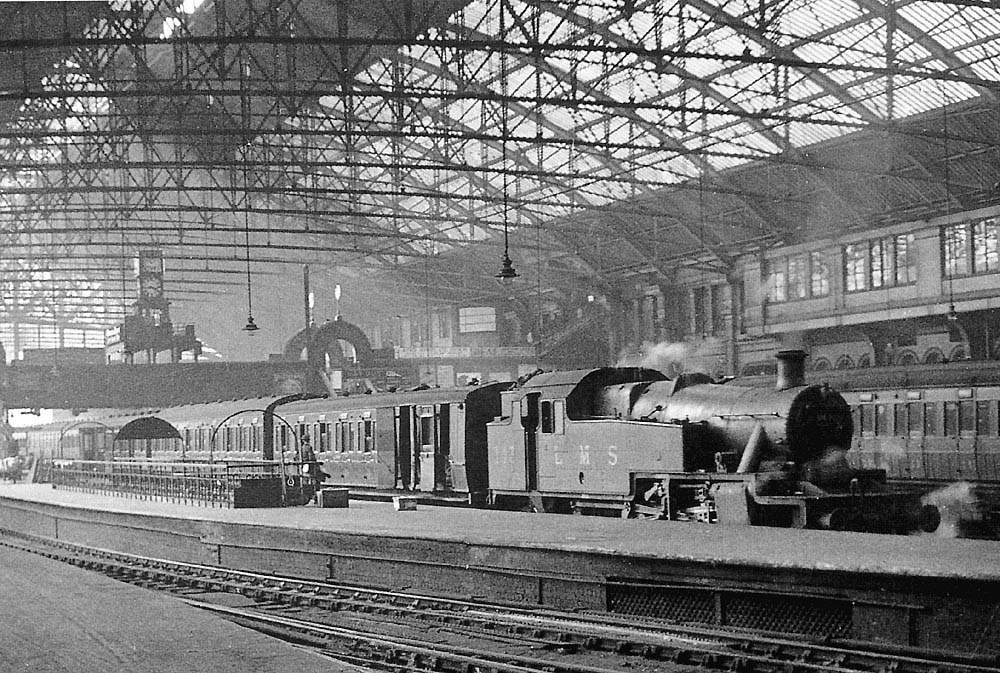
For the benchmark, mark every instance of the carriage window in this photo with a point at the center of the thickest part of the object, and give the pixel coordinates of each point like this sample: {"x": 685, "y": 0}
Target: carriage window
{"x": 932, "y": 424}
{"x": 547, "y": 424}
{"x": 984, "y": 419}
{"x": 901, "y": 424}
{"x": 867, "y": 418}
{"x": 950, "y": 419}
{"x": 352, "y": 436}
{"x": 369, "y": 436}
{"x": 967, "y": 416}
{"x": 426, "y": 431}
{"x": 883, "y": 421}
{"x": 324, "y": 436}
{"x": 345, "y": 437}
{"x": 915, "y": 416}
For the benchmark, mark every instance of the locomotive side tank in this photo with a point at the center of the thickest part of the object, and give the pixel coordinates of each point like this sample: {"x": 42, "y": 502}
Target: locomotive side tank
{"x": 556, "y": 448}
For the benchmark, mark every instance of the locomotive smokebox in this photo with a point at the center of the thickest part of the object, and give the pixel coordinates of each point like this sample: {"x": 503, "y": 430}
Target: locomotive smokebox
{"x": 791, "y": 369}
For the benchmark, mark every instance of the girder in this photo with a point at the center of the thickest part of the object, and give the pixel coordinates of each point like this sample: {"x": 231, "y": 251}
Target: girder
{"x": 346, "y": 133}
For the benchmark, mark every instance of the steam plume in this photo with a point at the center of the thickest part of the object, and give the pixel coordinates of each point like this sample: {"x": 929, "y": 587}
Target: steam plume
{"x": 671, "y": 358}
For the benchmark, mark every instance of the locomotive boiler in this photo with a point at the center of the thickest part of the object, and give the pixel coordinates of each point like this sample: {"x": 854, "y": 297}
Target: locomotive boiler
{"x": 808, "y": 426}
{"x": 629, "y": 440}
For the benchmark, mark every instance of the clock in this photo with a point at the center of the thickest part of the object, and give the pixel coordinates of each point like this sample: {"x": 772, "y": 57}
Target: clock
{"x": 151, "y": 286}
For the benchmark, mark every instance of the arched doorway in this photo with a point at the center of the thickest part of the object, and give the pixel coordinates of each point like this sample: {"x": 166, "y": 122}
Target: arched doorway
{"x": 323, "y": 342}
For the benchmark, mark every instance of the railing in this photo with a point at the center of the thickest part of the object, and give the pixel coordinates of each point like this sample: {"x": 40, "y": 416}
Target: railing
{"x": 249, "y": 484}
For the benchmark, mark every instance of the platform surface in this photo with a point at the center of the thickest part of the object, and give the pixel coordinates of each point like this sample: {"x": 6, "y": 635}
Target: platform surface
{"x": 57, "y": 618}
{"x": 756, "y": 547}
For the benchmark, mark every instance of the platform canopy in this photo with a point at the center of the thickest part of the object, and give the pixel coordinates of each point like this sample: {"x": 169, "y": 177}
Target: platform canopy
{"x": 409, "y": 141}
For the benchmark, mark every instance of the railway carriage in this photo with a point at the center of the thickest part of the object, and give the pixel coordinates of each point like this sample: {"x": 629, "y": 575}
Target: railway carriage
{"x": 429, "y": 441}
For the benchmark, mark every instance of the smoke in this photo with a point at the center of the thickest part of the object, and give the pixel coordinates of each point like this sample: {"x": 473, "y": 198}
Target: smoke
{"x": 959, "y": 505}
{"x": 672, "y": 358}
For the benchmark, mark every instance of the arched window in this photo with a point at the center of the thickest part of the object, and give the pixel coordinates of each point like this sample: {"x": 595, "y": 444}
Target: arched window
{"x": 957, "y": 353}
{"x": 844, "y": 362}
{"x": 821, "y": 365}
{"x": 933, "y": 356}
{"x": 864, "y": 361}
{"x": 906, "y": 358}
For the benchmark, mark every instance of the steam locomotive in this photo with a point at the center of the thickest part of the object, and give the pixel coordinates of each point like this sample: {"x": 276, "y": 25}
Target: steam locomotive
{"x": 608, "y": 441}
{"x": 688, "y": 449}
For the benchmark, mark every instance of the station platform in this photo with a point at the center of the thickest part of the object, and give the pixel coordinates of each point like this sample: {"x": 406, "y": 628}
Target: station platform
{"x": 60, "y": 618}
{"x": 921, "y": 591}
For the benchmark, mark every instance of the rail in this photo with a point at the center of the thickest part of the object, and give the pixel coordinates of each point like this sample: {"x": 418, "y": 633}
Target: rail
{"x": 244, "y": 484}
{"x": 378, "y": 629}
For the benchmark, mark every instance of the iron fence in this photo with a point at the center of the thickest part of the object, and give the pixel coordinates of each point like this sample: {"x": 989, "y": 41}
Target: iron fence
{"x": 243, "y": 484}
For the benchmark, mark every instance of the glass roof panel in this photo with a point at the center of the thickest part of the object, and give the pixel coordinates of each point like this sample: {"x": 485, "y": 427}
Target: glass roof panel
{"x": 985, "y": 62}
{"x": 952, "y": 26}
{"x": 909, "y": 51}
{"x": 860, "y": 45}
{"x": 808, "y": 17}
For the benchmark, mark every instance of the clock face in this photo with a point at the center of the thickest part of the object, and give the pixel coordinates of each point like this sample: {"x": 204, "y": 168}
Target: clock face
{"x": 152, "y": 286}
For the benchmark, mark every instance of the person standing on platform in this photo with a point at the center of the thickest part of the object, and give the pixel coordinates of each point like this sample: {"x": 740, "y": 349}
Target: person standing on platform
{"x": 310, "y": 466}
{"x": 306, "y": 455}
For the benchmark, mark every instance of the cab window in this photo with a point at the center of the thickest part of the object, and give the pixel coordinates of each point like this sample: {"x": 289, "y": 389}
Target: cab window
{"x": 548, "y": 426}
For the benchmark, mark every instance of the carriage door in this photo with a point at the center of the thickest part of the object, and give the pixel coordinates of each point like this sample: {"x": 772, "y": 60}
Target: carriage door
{"x": 529, "y": 421}
{"x": 442, "y": 466}
{"x": 404, "y": 448}
{"x": 427, "y": 442}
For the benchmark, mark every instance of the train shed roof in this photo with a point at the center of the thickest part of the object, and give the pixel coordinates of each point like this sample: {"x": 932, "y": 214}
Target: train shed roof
{"x": 407, "y": 145}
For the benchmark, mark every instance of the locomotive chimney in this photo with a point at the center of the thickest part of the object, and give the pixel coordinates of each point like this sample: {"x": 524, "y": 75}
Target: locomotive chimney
{"x": 791, "y": 369}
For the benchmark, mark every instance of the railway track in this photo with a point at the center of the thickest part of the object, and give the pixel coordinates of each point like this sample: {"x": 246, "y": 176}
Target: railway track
{"x": 393, "y": 631}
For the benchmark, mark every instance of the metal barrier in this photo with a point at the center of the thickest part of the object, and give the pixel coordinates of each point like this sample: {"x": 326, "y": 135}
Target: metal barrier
{"x": 245, "y": 484}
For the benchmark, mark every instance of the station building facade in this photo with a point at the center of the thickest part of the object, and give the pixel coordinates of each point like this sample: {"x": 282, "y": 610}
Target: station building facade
{"x": 920, "y": 292}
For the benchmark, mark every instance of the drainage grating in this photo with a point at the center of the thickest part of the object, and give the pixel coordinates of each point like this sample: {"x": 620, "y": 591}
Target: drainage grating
{"x": 788, "y": 614}
{"x": 778, "y": 613}
{"x": 675, "y": 604}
